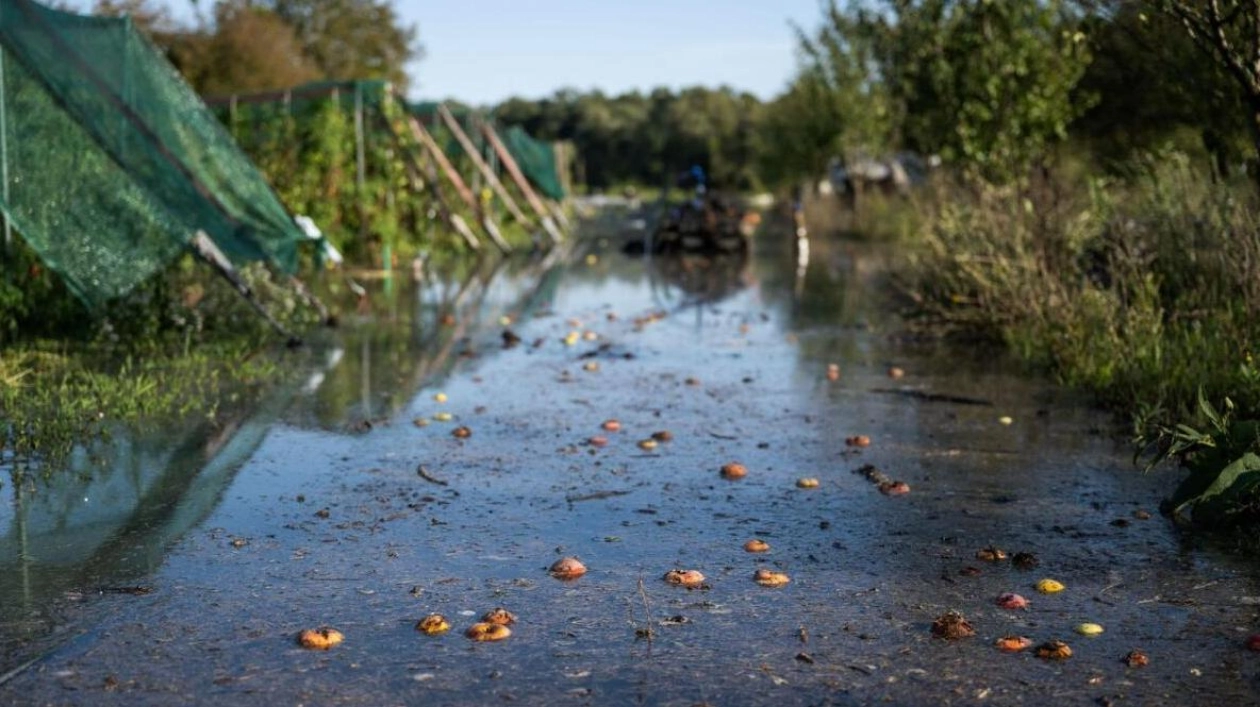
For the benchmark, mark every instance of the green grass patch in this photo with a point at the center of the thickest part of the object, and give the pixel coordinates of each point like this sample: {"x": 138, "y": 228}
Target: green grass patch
{"x": 1145, "y": 291}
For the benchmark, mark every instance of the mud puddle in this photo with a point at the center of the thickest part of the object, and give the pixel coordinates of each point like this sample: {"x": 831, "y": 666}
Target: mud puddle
{"x": 353, "y": 504}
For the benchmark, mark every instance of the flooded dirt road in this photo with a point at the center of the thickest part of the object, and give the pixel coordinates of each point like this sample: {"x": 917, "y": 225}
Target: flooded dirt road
{"x": 181, "y": 570}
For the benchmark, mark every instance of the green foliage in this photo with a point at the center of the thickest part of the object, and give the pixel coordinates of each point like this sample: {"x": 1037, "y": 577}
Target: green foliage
{"x": 249, "y": 45}
{"x": 987, "y": 85}
{"x": 52, "y": 398}
{"x": 1154, "y": 87}
{"x": 1223, "y": 485}
{"x": 307, "y": 149}
{"x": 1227, "y": 33}
{"x": 352, "y": 40}
{"x": 832, "y": 107}
{"x": 1146, "y": 293}
{"x": 648, "y": 139}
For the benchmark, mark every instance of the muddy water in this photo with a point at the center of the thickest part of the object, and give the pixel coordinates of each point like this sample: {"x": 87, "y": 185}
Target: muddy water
{"x": 311, "y": 511}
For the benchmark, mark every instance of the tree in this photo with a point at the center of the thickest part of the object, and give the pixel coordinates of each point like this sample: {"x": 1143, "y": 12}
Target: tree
{"x": 352, "y": 39}
{"x": 250, "y": 49}
{"x": 988, "y": 85}
{"x": 1227, "y": 31}
{"x": 834, "y": 107}
{"x": 1154, "y": 89}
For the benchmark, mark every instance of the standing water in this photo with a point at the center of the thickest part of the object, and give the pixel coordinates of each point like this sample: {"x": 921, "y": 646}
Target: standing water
{"x": 446, "y": 449}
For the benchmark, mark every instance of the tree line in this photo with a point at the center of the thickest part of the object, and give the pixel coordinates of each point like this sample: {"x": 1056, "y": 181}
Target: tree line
{"x": 242, "y": 46}
{"x": 993, "y": 88}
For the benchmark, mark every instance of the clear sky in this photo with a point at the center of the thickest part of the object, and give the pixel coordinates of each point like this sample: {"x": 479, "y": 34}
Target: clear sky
{"x": 484, "y": 51}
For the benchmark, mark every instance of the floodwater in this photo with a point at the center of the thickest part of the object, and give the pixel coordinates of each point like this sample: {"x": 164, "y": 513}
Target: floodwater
{"x": 179, "y": 567}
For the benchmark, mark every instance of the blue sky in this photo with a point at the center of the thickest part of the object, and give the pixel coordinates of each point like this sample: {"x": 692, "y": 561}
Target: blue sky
{"x": 483, "y": 51}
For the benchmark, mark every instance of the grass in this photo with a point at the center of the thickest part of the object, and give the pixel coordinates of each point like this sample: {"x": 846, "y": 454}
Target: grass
{"x": 1145, "y": 291}
{"x": 186, "y": 345}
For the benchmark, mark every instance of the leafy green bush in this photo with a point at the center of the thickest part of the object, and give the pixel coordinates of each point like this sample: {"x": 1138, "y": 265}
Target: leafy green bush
{"x": 1143, "y": 292}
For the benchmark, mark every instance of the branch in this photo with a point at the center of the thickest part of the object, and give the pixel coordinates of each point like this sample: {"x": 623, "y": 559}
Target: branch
{"x": 1208, "y": 32}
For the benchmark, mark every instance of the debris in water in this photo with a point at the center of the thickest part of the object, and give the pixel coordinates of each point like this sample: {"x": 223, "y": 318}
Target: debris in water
{"x": 1012, "y": 601}
{"x": 1253, "y": 642}
{"x": 692, "y": 381}
{"x": 663, "y": 436}
{"x": 483, "y": 631}
{"x": 858, "y": 441}
{"x": 461, "y": 432}
{"x": 591, "y": 366}
{"x": 439, "y": 397}
{"x": 597, "y": 441}
{"x": 756, "y": 545}
{"x": 1089, "y": 629}
{"x": 951, "y": 626}
{"x": 647, "y": 444}
{"x": 1136, "y": 659}
{"x": 1013, "y": 644}
{"x": 896, "y": 373}
{"x": 872, "y": 474}
{"x": 894, "y": 488}
{"x": 770, "y": 578}
{"x": 568, "y": 568}
{"x": 807, "y": 483}
{"x": 499, "y": 615}
{"x": 1005, "y": 420}
{"x": 1054, "y": 650}
{"x": 1050, "y": 586}
{"x": 510, "y": 339}
{"x": 991, "y": 553}
{"x": 833, "y": 372}
{"x": 1025, "y": 560}
{"x": 685, "y": 578}
{"x": 423, "y": 473}
{"x": 612, "y": 425}
{"x": 420, "y": 422}
{"x": 433, "y": 624}
{"x": 734, "y": 470}
{"x": 320, "y": 639}
{"x": 443, "y": 417}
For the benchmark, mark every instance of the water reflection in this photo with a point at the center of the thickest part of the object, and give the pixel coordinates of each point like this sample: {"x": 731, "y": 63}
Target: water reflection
{"x": 416, "y": 332}
{"x": 104, "y": 521}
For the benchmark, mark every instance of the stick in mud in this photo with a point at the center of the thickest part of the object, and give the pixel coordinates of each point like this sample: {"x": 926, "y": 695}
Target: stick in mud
{"x": 424, "y": 474}
{"x": 596, "y": 496}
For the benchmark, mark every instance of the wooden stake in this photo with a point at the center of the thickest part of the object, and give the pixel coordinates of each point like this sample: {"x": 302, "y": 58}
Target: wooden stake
{"x": 515, "y": 171}
{"x": 452, "y": 175}
{"x": 484, "y": 168}
{"x": 453, "y": 220}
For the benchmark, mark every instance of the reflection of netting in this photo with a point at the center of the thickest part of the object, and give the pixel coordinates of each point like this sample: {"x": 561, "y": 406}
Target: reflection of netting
{"x": 111, "y": 162}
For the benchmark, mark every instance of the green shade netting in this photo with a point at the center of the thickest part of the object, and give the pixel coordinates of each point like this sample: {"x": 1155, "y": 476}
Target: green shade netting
{"x": 109, "y": 162}
{"x": 537, "y": 159}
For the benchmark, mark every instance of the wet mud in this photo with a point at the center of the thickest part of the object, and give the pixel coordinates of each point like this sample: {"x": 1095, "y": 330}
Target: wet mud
{"x": 351, "y": 504}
